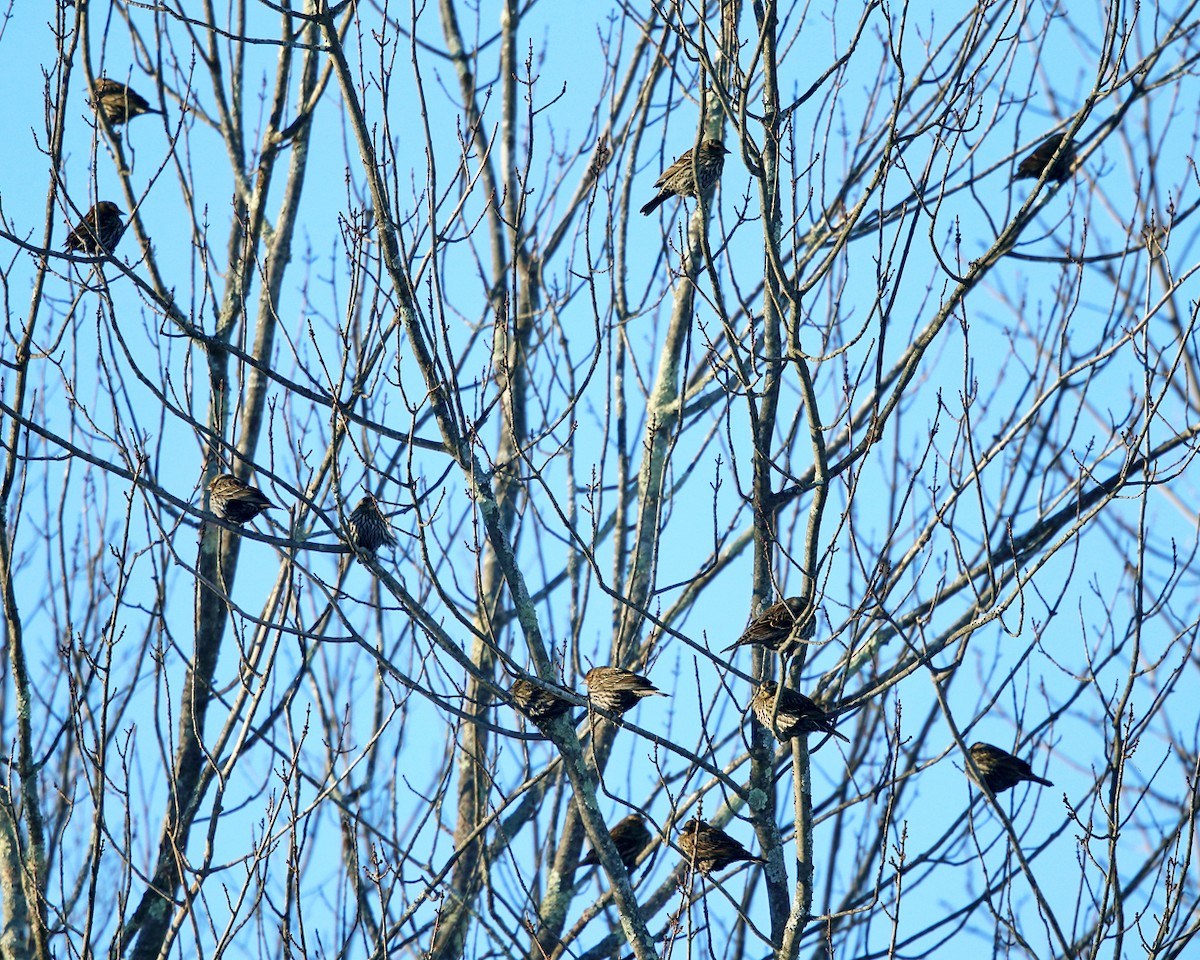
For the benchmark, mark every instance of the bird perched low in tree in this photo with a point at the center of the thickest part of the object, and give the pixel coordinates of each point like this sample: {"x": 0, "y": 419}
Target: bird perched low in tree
{"x": 367, "y": 526}
{"x": 630, "y": 837}
{"x": 1032, "y": 166}
{"x": 99, "y": 231}
{"x": 679, "y": 179}
{"x": 797, "y": 715}
{"x": 1000, "y": 769}
{"x": 119, "y": 102}
{"x": 711, "y": 849}
{"x": 235, "y": 501}
{"x": 617, "y": 690}
{"x": 781, "y": 627}
{"x": 538, "y": 704}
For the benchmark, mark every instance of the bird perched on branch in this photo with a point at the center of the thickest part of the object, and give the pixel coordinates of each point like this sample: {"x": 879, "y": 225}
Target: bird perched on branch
{"x": 538, "y": 704}
{"x": 711, "y": 849}
{"x": 778, "y": 627}
{"x": 1032, "y": 166}
{"x": 1000, "y": 769}
{"x": 367, "y": 526}
{"x": 118, "y": 102}
{"x": 99, "y": 231}
{"x": 630, "y": 837}
{"x": 617, "y": 690}
{"x": 798, "y": 715}
{"x": 235, "y": 501}
{"x": 679, "y": 179}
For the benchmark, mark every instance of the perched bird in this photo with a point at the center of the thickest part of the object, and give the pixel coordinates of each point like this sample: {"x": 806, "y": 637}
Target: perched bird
{"x": 1000, "y": 769}
{"x": 368, "y": 528}
{"x": 630, "y": 837}
{"x": 119, "y": 103}
{"x": 775, "y": 626}
{"x": 538, "y": 704}
{"x": 711, "y": 849}
{"x": 797, "y": 715}
{"x": 99, "y": 231}
{"x": 617, "y": 690}
{"x": 679, "y": 179}
{"x": 1032, "y": 166}
{"x": 235, "y": 501}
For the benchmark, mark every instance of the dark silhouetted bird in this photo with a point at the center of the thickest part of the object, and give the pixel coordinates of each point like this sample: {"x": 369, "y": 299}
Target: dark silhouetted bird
{"x": 99, "y": 231}
{"x": 679, "y": 179}
{"x": 1000, "y": 769}
{"x": 119, "y": 102}
{"x": 630, "y": 837}
{"x": 797, "y": 713}
{"x": 778, "y": 627}
{"x": 1032, "y": 166}
{"x": 368, "y": 528}
{"x": 538, "y": 704}
{"x": 711, "y": 849}
{"x": 235, "y": 501}
{"x": 617, "y": 690}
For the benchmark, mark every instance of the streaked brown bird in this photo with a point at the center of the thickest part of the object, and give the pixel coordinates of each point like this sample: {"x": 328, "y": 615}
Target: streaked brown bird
{"x": 1032, "y": 166}
{"x": 119, "y": 102}
{"x": 630, "y": 837}
{"x": 99, "y": 231}
{"x": 711, "y": 849}
{"x": 781, "y": 627}
{"x": 235, "y": 501}
{"x": 538, "y": 704}
{"x": 679, "y": 179}
{"x": 617, "y": 690}
{"x": 797, "y": 715}
{"x": 368, "y": 527}
{"x": 1000, "y": 769}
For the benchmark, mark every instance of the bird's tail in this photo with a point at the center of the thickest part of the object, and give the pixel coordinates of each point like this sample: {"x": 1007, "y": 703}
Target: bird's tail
{"x": 656, "y": 202}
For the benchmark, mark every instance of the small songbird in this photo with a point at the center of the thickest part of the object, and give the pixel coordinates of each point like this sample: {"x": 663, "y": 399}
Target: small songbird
{"x": 235, "y": 501}
{"x": 1032, "y": 166}
{"x": 630, "y": 837}
{"x": 538, "y": 704}
{"x": 711, "y": 849}
{"x": 798, "y": 715}
{"x": 777, "y": 627}
{"x": 1000, "y": 769}
{"x": 617, "y": 690}
{"x": 119, "y": 102}
{"x": 367, "y": 526}
{"x": 679, "y": 179}
{"x": 99, "y": 231}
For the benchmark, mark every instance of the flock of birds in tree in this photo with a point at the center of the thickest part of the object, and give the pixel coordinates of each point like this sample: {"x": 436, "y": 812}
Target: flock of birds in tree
{"x": 781, "y": 628}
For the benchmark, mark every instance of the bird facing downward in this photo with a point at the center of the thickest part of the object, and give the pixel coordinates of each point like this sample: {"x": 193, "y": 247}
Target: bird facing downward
{"x": 538, "y": 704}
{"x": 118, "y": 102}
{"x": 630, "y": 837}
{"x": 797, "y": 715}
{"x": 617, "y": 690}
{"x": 679, "y": 179}
{"x": 777, "y": 626}
{"x": 99, "y": 231}
{"x": 367, "y": 526}
{"x": 1000, "y": 769}
{"x": 1032, "y": 166}
{"x": 711, "y": 849}
{"x": 235, "y": 501}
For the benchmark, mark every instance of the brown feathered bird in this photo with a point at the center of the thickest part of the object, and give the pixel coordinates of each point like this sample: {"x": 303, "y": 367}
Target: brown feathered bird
{"x": 235, "y": 501}
{"x": 538, "y": 704}
{"x": 711, "y": 849}
{"x": 119, "y": 103}
{"x": 1032, "y": 166}
{"x": 630, "y": 837}
{"x": 781, "y": 627}
{"x": 797, "y": 715}
{"x": 367, "y": 526}
{"x": 99, "y": 231}
{"x": 1000, "y": 769}
{"x": 679, "y": 179}
{"x": 617, "y": 690}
